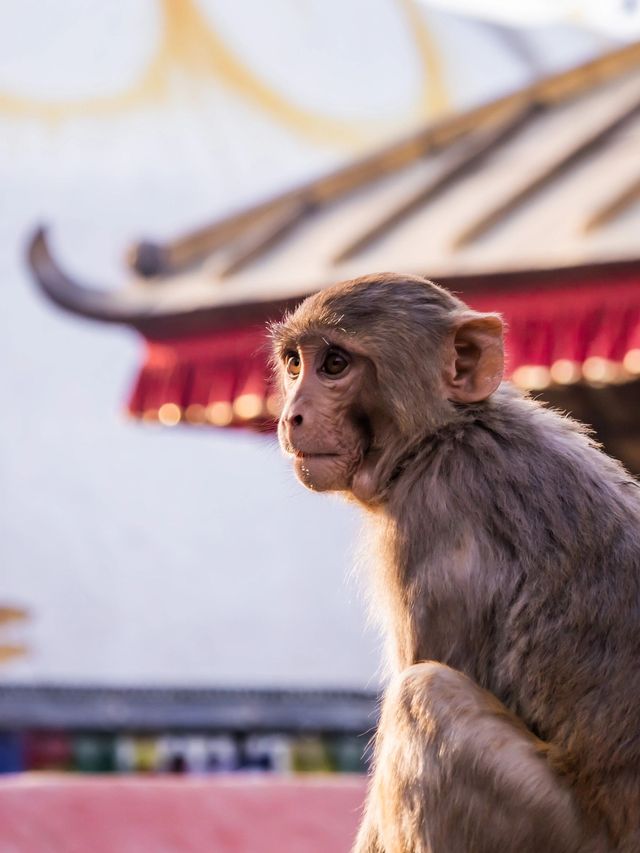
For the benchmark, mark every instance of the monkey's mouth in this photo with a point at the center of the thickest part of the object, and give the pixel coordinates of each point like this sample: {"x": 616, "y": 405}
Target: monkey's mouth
{"x": 303, "y": 454}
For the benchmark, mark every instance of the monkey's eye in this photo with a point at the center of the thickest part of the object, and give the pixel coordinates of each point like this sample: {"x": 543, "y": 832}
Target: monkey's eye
{"x": 292, "y": 363}
{"x": 334, "y": 363}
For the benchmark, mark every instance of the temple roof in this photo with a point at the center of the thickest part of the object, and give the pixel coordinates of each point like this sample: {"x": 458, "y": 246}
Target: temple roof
{"x": 543, "y": 180}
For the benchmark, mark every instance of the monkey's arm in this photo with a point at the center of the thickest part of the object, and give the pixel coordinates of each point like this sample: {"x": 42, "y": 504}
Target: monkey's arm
{"x": 368, "y": 840}
{"x": 456, "y": 772}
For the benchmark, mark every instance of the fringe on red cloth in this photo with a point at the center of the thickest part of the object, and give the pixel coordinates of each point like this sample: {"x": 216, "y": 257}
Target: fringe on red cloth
{"x": 601, "y": 320}
{"x": 221, "y": 379}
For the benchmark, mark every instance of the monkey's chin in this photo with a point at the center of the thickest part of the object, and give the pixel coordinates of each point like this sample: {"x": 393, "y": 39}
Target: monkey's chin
{"x": 323, "y": 473}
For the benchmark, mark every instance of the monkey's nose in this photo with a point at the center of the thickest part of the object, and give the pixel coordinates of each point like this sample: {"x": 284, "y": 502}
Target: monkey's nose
{"x": 295, "y": 420}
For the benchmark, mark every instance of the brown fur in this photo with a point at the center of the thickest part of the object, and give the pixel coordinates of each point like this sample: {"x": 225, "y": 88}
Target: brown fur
{"x": 509, "y": 560}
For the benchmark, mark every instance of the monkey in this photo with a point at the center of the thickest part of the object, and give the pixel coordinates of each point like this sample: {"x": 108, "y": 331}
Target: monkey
{"x": 507, "y": 575}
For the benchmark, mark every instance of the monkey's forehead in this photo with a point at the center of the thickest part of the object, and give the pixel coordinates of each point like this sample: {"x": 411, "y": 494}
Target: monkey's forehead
{"x": 360, "y": 311}
{"x": 285, "y": 337}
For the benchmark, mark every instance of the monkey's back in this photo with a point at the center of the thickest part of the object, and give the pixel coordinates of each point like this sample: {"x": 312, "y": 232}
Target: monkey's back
{"x": 564, "y": 521}
{"x": 516, "y": 559}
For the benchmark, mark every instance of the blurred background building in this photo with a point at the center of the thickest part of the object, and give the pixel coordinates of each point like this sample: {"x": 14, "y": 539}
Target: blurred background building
{"x": 172, "y": 599}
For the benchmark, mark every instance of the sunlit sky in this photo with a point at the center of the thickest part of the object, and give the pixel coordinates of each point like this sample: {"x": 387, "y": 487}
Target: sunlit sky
{"x": 619, "y": 18}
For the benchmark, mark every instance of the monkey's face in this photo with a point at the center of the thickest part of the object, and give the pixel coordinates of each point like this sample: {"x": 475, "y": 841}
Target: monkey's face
{"x": 369, "y": 368}
{"x": 323, "y": 425}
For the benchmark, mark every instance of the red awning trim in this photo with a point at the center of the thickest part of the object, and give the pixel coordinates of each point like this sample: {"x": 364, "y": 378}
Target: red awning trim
{"x": 222, "y": 379}
{"x": 589, "y": 332}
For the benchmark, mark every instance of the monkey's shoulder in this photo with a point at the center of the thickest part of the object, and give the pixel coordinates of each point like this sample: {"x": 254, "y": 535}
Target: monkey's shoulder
{"x": 529, "y": 482}
{"x": 518, "y": 442}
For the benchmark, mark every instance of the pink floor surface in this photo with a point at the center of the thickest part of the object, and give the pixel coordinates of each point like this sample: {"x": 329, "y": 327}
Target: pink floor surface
{"x": 238, "y": 814}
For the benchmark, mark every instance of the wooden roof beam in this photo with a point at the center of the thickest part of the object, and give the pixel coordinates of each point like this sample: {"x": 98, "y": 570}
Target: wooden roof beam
{"x": 266, "y": 234}
{"x": 157, "y": 259}
{"x": 615, "y": 206}
{"x": 470, "y": 156}
{"x": 538, "y": 182}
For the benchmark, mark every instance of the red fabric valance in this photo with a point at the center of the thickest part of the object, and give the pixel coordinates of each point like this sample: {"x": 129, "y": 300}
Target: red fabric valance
{"x": 589, "y": 331}
{"x": 594, "y": 327}
{"x": 222, "y": 378}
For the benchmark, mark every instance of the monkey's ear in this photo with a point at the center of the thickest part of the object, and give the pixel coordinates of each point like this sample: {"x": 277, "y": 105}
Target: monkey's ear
{"x": 474, "y": 362}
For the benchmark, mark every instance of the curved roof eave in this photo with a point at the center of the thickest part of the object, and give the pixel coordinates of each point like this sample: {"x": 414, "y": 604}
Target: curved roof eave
{"x": 112, "y": 306}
